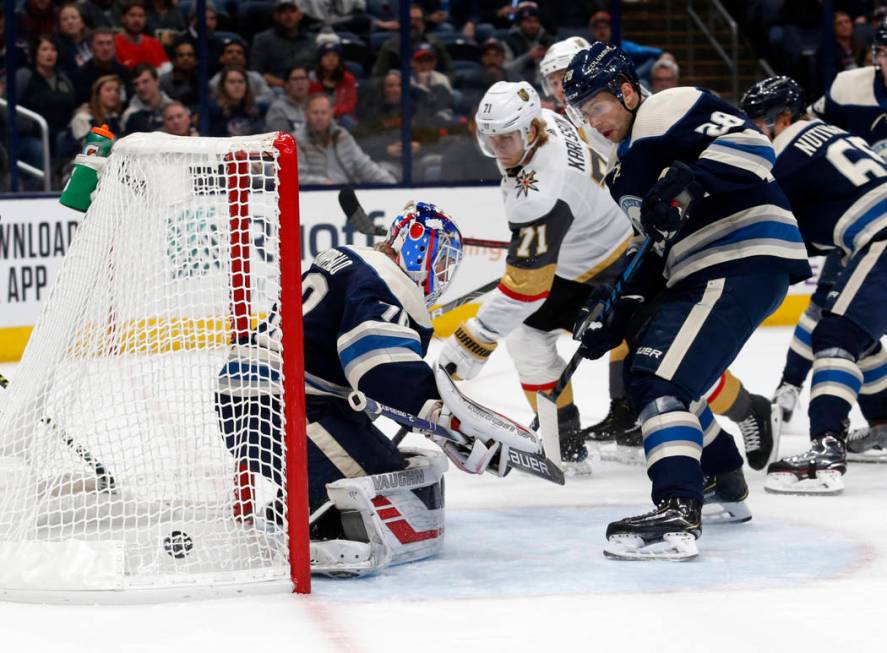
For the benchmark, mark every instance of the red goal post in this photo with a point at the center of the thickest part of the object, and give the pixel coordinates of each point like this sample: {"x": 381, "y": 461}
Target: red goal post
{"x": 117, "y": 480}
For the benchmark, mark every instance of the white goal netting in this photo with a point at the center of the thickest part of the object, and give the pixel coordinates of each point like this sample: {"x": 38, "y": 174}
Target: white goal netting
{"x": 115, "y": 471}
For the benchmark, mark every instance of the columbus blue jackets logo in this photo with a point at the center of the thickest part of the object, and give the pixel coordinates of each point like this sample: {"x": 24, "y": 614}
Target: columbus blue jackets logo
{"x": 525, "y": 182}
{"x": 631, "y": 206}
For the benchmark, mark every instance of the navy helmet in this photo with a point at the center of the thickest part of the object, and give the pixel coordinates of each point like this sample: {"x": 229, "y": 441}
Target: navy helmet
{"x": 773, "y": 96}
{"x": 601, "y": 67}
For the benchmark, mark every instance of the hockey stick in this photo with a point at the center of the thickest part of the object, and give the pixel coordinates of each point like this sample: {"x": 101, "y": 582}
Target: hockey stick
{"x": 361, "y": 223}
{"x": 464, "y": 299}
{"x": 531, "y": 463}
{"x": 596, "y": 316}
{"x": 106, "y": 482}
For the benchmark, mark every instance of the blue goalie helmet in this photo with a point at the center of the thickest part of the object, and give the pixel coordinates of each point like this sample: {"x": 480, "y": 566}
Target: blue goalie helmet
{"x": 599, "y": 68}
{"x": 770, "y": 98}
{"x": 428, "y": 246}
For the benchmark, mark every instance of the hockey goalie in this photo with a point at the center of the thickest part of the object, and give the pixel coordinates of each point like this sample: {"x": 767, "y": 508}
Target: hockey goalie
{"x": 367, "y": 329}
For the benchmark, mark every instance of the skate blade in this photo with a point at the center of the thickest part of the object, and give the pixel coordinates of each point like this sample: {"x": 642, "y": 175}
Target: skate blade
{"x": 825, "y": 483}
{"x": 870, "y": 456}
{"x": 673, "y": 547}
{"x": 725, "y": 512}
{"x": 776, "y": 422}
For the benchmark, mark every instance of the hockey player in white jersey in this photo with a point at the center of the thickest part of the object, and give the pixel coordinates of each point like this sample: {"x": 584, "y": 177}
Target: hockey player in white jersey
{"x": 566, "y": 234}
{"x": 366, "y": 329}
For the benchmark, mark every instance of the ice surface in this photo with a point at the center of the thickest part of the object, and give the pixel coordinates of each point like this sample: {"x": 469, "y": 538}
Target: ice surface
{"x": 522, "y": 569}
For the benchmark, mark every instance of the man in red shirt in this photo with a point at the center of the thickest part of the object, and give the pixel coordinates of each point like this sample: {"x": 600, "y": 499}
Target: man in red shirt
{"x": 134, "y": 47}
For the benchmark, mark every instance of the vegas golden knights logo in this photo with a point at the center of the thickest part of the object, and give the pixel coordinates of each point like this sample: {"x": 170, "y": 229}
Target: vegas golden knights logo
{"x": 523, "y": 95}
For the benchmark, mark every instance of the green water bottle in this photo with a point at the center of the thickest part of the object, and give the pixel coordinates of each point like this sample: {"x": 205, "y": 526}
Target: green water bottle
{"x": 77, "y": 192}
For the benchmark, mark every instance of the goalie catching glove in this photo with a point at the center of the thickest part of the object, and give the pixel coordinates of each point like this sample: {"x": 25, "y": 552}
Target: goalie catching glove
{"x": 466, "y": 351}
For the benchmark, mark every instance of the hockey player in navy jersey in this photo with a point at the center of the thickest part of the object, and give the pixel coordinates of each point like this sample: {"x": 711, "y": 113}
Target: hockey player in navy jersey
{"x": 566, "y": 234}
{"x": 366, "y": 328}
{"x": 857, "y": 98}
{"x": 857, "y": 102}
{"x": 693, "y": 174}
{"x": 837, "y": 186}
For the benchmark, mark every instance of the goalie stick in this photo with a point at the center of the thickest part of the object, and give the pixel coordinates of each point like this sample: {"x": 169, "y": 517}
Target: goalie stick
{"x": 464, "y": 299}
{"x": 531, "y": 463}
{"x": 359, "y": 220}
{"x": 105, "y": 482}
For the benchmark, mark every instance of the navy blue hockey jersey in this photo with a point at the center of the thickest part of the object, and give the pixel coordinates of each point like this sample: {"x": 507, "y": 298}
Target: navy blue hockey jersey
{"x": 743, "y": 225}
{"x": 857, "y": 102}
{"x": 836, "y": 184}
{"x": 366, "y": 327}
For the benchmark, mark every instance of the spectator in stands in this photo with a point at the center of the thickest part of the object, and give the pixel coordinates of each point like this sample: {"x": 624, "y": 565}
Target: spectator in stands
{"x": 342, "y": 15}
{"x": 234, "y": 54}
{"x": 433, "y": 86}
{"x": 234, "y": 112}
{"x": 177, "y": 120}
{"x": 180, "y": 83}
{"x": 134, "y": 47}
{"x": 527, "y": 42}
{"x": 330, "y": 77}
{"x": 43, "y": 88}
{"x": 328, "y": 154}
{"x": 104, "y": 108}
{"x": 287, "y": 113}
{"x": 379, "y": 131}
{"x": 145, "y": 112}
{"x": 849, "y": 47}
{"x": 493, "y": 69}
{"x": 643, "y": 56}
{"x": 100, "y": 13}
{"x": 278, "y": 48}
{"x": 36, "y": 17}
{"x": 103, "y": 62}
{"x": 165, "y": 20}
{"x": 213, "y": 42}
{"x": 463, "y": 160}
{"x": 664, "y": 74}
{"x": 389, "y": 54}
{"x": 73, "y": 45}
{"x": 20, "y": 54}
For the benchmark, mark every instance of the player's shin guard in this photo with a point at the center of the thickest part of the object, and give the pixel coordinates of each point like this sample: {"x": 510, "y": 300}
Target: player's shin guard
{"x": 837, "y": 380}
{"x": 387, "y": 519}
{"x": 673, "y": 444}
{"x": 800, "y": 352}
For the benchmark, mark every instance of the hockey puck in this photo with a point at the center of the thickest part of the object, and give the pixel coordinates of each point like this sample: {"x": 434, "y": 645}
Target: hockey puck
{"x": 178, "y": 544}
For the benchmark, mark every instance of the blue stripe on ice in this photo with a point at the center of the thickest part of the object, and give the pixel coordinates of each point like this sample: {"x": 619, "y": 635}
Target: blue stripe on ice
{"x": 487, "y": 556}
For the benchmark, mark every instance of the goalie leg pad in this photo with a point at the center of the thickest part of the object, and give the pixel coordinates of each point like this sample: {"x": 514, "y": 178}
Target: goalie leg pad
{"x": 398, "y": 515}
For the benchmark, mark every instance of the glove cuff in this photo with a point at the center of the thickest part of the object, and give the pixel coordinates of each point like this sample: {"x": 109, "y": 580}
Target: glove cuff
{"x": 475, "y": 339}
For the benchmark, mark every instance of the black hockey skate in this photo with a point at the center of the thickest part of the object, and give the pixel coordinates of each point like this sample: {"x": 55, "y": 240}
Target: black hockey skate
{"x": 786, "y": 398}
{"x": 667, "y": 533}
{"x": 724, "y": 500}
{"x": 620, "y": 420}
{"x": 816, "y": 471}
{"x": 868, "y": 445}
{"x": 760, "y": 431}
{"x": 572, "y": 443}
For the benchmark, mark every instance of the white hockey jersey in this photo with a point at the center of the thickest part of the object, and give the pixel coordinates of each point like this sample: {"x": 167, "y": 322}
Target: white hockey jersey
{"x": 563, "y": 222}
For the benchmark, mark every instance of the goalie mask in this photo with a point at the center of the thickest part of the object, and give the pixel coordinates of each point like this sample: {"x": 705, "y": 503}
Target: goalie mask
{"x": 428, "y": 246}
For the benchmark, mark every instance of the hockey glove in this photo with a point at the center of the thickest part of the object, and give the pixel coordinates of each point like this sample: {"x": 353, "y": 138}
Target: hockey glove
{"x": 604, "y": 330}
{"x": 667, "y": 204}
{"x": 471, "y": 456}
{"x": 465, "y": 352}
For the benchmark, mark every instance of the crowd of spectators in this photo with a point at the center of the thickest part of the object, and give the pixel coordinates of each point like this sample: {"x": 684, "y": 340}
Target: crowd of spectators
{"x": 328, "y": 72}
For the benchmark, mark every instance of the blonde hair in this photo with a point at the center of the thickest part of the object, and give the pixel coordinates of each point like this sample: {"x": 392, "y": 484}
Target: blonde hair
{"x": 95, "y": 102}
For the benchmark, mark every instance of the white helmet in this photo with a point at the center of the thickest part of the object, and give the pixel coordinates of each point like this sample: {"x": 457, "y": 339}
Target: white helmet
{"x": 507, "y": 107}
{"x": 558, "y": 57}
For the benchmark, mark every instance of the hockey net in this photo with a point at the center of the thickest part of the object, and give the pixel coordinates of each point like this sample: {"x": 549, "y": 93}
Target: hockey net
{"x": 116, "y": 480}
